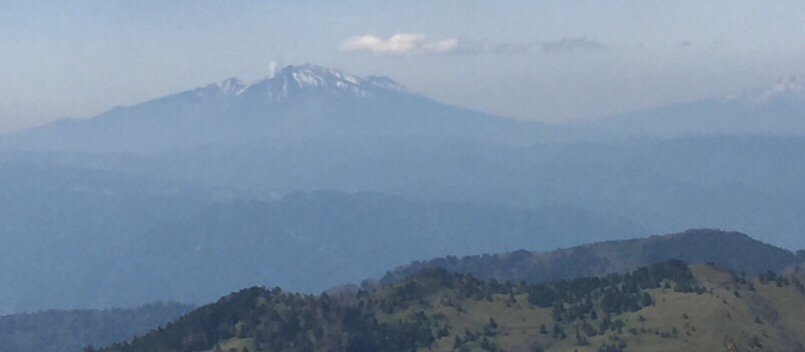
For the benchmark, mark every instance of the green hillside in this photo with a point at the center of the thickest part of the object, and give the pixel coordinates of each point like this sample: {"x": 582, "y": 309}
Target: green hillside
{"x": 728, "y": 249}
{"x": 668, "y": 306}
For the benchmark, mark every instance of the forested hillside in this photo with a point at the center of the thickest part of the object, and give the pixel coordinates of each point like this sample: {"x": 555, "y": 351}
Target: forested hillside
{"x": 668, "y": 306}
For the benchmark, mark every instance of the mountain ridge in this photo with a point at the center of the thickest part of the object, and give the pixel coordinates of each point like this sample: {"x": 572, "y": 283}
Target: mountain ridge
{"x": 729, "y": 249}
{"x": 296, "y": 101}
{"x": 334, "y": 237}
{"x": 519, "y": 295}
{"x": 293, "y": 80}
{"x": 772, "y": 110}
{"x": 666, "y": 306}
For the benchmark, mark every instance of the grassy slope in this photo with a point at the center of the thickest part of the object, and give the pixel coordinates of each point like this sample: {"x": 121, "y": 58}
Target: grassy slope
{"x": 717, "y": 320}
{"x": 723, "y": 312}
{"x": 768, "y": 318}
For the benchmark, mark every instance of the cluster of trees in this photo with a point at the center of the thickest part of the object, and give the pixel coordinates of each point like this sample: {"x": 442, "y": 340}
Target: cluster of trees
{"x": 277, "y": 321}
{"x": 570, "y": 299}
{"x": 400, "y": 318}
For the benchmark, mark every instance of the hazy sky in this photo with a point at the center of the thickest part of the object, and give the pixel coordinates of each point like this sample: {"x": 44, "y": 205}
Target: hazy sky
{"x": 539, "y": 60}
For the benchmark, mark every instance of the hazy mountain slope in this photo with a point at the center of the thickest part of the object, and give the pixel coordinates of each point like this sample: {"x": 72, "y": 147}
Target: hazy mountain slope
{"x": 749, "y": 184}
{"x": 73, "y": 330}
{"x": 313, "y": 241}
{"x": 775, "y": 110}
{"x": 302, "y": 100}
{"x": 310, "y": 128}
{"x": 63, "y": 228}
{"x": 78, "y": 238}
{"x": 664, "y": 307}
{"x": 729, "y": 249}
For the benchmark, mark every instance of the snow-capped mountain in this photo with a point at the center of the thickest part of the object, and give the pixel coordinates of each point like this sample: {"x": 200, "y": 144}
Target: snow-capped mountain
{"x": 303, "y": 100}
{"x": 294, "y": 80}
{"x": 314, "y": 78}
{"x": 775, "y": 110}
{"x": 228, "y": 87}
{"x": 791, "y": 87}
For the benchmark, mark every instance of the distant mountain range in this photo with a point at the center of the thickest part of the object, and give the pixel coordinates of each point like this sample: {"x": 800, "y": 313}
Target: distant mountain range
{"x": 310, "y": 128}
{"x": 175, "y": 179}
{"x": 776, "y": 110}
{"x": 124, "y": 253}
{"x": 299, "y": 101}
{"x": 312, "y": 241}
{"x": 313, "y": 101}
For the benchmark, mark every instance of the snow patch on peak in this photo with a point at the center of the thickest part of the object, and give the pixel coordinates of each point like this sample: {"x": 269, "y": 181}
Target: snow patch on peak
{"x": 317, "y": 76}
{"x": 346, "y": 77}
{"x": 293, "y": 80}
{"x": 232, "y": 86}
{"x": 790, "y": 87}
{"x": 311, "y": 77}
{"x": 385, "y": 83}
{"x": 229, "y": 86}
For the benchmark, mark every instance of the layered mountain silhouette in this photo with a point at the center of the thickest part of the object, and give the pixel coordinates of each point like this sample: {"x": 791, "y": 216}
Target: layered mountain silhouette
{"x": 726, "y": 249}
{"x": 313, "y": 241}
{"x": 310, "y": 128}
{"x": 217, "y": 176}
{"x": 118, "y": 250}
{"x": 298, "y": 101}
{"x": 774, "y": 110}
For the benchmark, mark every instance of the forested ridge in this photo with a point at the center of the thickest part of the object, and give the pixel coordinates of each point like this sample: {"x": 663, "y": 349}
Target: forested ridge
{"x": 734, "y": 250}
{"x": 665, "y": 304}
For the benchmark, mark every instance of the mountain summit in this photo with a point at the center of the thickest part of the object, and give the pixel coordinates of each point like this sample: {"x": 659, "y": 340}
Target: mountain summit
{"x": 306, "y": 100}
{"x": 790, "y": 87}
{"x": 293, "y": 80}
{"x": 774, "y": 110}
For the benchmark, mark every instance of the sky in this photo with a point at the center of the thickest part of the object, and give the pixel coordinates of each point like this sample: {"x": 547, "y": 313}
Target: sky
{"x": 536, "y": 60}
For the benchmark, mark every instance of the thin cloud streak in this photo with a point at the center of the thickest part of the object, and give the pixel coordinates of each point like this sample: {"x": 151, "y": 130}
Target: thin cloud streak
{"x": 401, "y": 44}
{"x": 409, "y": 44}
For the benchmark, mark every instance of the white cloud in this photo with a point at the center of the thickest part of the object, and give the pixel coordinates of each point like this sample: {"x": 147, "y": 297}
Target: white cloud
{"x": 404, "y": 44}
{"x": 401, "y": 44}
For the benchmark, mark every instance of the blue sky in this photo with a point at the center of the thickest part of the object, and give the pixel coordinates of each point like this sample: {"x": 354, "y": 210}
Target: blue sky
{"x": 538, "y": 60}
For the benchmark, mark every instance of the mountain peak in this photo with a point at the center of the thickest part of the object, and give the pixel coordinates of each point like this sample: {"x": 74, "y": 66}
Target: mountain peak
{"x": 789, "y": 87}
{"x": 312, "y": 77}
{"x": 293, "y": 80}
{"x": 229, "y": 86}
{"x": 232, "y": 86}
{"x": 793, "y": 85}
